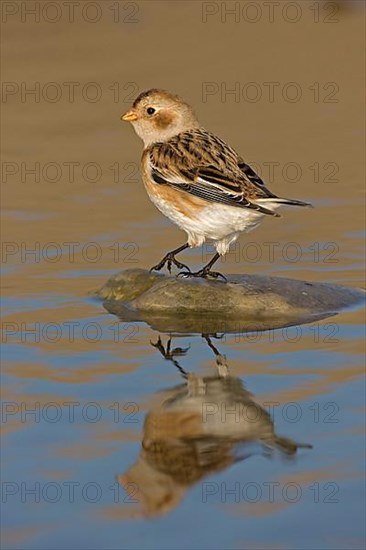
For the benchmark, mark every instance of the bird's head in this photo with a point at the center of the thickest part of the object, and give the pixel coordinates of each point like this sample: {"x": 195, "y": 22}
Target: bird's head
{"x": 157, "y": 116}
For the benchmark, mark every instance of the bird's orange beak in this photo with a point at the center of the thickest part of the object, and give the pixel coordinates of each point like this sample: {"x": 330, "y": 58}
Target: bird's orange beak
{"x": 130, "y": 116}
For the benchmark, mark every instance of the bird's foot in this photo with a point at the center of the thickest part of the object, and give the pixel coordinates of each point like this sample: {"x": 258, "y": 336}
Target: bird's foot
{"x": 167, "y": 352}
{"x": 169, "y": 259}
{"x": 203, "y": 273}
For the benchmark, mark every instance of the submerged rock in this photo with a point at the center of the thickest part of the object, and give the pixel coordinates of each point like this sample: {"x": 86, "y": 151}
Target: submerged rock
{"x": 243, "y": 303}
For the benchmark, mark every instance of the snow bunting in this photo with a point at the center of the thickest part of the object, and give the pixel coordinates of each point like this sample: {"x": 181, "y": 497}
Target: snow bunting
{"x": 194, "y": 178}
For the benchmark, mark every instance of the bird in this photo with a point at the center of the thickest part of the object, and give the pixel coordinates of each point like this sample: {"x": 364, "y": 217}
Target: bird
{"x": 196, "y": 179}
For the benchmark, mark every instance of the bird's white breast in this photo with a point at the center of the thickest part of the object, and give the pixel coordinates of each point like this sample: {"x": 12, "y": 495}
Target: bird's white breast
{"x": 216, "y": 223}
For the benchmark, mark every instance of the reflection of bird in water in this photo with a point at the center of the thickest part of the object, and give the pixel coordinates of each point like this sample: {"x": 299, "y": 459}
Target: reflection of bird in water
{"x": 200, "y": 427}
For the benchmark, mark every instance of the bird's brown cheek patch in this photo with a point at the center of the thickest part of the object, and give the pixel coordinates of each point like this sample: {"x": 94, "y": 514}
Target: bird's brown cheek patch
{"x": 163, "y": 120}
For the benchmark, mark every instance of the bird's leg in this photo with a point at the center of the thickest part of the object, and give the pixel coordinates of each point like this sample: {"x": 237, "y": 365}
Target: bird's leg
{"x": 207, "y": 337}
{"x": 222, "y": 366}
{"x": 205, "y": 271}
{"x": 170, "y": 259}
{"x": 170, "y": 354}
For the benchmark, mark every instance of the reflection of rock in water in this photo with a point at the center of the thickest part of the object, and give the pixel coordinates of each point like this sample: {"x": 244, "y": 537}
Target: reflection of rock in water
{"x": 200, "y": 427}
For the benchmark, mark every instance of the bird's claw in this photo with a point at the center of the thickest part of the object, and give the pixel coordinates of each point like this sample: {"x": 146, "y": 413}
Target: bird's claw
{"x": 204, "y": 274}
{"x": 215, "y": 275}
{"x": 167, "y": 352}
{"x": 169, "y": 260}
{"x": 177, "y": 264}
{"x": 185, "y": 274}
{"x": 158, "y": 266}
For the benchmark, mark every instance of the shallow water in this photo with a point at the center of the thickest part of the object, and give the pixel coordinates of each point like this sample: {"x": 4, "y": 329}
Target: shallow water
{"x": 69, "y": 479}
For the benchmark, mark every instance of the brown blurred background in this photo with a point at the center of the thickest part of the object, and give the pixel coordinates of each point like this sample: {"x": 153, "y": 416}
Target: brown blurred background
{"x": 283, "y": 84}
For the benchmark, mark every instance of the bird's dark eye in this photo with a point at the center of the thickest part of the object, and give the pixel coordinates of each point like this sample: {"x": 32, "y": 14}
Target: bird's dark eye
{"x": 150, "y": 110}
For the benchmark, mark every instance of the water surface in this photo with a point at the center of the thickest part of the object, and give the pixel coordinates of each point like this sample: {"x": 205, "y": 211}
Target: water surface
{"x": 69, "y": 467}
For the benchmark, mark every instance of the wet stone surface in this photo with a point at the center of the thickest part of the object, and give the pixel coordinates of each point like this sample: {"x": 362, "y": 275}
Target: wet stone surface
{"x": 245, "y": 302}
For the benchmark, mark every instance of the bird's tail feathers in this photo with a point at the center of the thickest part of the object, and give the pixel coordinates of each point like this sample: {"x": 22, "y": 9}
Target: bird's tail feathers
{"x": 289, "y": 202}
{"x": 288, "y": 446}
